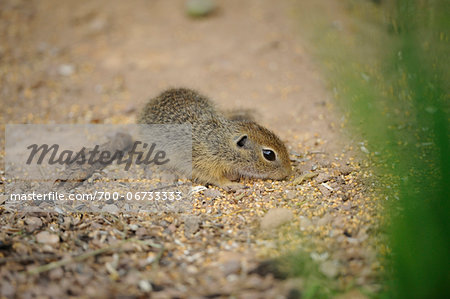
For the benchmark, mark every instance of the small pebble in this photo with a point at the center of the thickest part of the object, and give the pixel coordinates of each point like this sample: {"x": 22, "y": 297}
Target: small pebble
{"x": 329, "y": 269}
{"x": 113, "y": 209}
{"x": 66, "y": 70}
{"x": 276, "y": 217}
{"x": 145, "y": 286}
{"x": 200, "y": 8}
{"x": 47, "y": 238}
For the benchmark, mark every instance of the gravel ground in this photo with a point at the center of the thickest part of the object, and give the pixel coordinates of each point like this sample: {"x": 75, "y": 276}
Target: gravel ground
{"x": 98, "y": 62}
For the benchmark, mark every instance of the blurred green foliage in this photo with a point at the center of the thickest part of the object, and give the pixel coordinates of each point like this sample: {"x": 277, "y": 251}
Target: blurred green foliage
{"x": 420, "y": 235}
{"x": 388, "y": 65}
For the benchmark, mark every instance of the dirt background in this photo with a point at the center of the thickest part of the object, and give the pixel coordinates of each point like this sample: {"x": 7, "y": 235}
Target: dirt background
{"x": 99, "y": 62}
{"x": 118, "y": 55}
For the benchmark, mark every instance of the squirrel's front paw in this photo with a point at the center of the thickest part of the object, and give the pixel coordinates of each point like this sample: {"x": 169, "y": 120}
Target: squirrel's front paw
{"x": 231, "y": 186}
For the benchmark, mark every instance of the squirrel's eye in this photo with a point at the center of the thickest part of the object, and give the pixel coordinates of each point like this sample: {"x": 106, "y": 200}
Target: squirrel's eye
{"x": 241, "y": 141}
{"x": 269, "y": 154}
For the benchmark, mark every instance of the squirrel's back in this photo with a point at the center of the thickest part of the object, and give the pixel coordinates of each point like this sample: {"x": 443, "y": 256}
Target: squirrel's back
{"x": 177, "y": 106}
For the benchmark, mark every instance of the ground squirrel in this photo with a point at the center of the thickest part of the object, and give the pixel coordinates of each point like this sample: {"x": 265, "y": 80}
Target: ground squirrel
{"x": 224, "y": 148}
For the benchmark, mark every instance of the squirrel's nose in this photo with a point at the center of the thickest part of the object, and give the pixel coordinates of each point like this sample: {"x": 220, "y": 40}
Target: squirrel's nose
{"x": 287, "y": 171}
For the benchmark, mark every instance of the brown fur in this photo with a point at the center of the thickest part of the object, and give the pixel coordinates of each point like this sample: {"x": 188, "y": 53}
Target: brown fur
{"x": 216, "y": 157}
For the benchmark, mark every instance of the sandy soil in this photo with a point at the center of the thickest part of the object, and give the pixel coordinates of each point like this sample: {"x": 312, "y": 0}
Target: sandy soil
{"x": 98, "y": 62}
{"x": 246, "y": 55}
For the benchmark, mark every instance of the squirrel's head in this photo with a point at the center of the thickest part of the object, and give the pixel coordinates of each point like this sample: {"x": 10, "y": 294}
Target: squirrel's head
{"x": 259, "y": 153}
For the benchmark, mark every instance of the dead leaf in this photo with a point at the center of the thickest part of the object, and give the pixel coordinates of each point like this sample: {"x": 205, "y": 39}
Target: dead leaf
{"x": 304, "y": 177}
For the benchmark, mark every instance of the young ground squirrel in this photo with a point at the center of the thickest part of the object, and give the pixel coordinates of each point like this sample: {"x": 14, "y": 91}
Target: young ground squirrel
{"x": 224, "y": 149}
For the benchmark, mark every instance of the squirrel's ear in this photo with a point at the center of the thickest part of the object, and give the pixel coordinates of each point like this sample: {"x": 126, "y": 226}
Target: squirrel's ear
{"x": 241, "y": 141}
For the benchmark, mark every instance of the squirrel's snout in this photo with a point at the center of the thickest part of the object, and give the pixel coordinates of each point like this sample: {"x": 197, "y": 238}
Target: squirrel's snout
{"x": 281, "y": 173}
{"x": 286, "y": 172}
